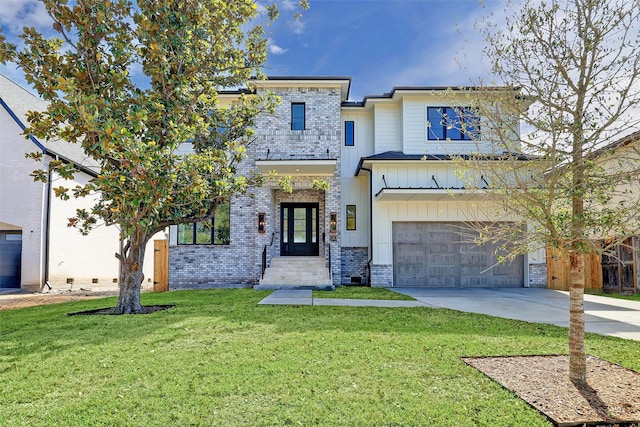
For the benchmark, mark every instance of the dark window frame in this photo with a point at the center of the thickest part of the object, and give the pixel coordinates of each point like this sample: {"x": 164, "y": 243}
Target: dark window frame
{"x": 295, "y": 121}
{"x": 217, "y": 240}
{"x": 349, "y": 133}
{"x": 438, "y": 129}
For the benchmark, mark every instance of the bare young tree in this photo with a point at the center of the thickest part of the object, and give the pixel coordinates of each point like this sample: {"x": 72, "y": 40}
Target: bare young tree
{"x": 569, "y": 76}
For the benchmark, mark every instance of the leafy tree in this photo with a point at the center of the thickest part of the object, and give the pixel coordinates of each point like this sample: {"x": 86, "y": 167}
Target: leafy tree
{"x": 131, "y": 82}
{"x": 569, "y": 71}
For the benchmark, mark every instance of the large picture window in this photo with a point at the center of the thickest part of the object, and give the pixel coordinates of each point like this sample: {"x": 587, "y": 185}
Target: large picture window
{"x": 215, "y": 231}
{"x": 297, "y": 115}
{"x": 455, "y": 124}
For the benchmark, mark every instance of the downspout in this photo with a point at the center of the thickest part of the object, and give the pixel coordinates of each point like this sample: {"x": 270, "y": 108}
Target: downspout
{"x": 47, "y": 237}
{"x": 370, "y": 222}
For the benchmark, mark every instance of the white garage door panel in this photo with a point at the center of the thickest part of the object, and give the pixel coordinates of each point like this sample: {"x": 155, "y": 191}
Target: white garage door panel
{"x": 437, "y": 254}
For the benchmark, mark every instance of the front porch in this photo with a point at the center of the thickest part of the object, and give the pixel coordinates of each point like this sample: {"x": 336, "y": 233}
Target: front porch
{"x": 297, "y": 272}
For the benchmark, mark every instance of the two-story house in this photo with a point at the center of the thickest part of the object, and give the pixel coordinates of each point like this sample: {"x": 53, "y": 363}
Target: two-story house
{"x": 389, "y": 211}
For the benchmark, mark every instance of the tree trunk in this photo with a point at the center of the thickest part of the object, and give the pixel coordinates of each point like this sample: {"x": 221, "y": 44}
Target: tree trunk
{"x": 131, "y": 277}
{"x": 577, "y": 356}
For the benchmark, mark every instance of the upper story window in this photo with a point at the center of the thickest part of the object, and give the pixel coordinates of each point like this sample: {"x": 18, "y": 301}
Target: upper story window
{"x": 455, "y": 124}
{"x": 210, "y": 232}
{"x": 349, "y": 134}
{"x": 297, "y": 115}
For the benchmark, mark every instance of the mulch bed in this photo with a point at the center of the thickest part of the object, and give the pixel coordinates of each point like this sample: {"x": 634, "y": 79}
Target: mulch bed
{"x": 610, "y": 397}
{"x": 146, "y": 309}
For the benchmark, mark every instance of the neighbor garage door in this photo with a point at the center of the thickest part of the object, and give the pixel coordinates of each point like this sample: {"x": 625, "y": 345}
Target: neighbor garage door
{"x": 10, "y": 255}
{"x": 437, "y": 254}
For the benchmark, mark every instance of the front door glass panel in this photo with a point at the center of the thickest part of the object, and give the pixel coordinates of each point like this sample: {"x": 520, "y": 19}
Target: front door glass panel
{"x": 285, "y": 220}
{"x": 314, "y": 225}
{"x": 299, "y": 229}
{"x": 299, "y": 225}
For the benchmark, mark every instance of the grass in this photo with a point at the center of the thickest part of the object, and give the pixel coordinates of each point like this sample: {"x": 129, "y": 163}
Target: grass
{"x": 362, "y": 292}
{"x": 598, "y": 292}
{"x": 219, "y": 359}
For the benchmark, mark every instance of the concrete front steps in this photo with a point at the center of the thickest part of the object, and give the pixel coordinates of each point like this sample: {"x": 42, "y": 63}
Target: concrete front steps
{"x": 296, "y": 272}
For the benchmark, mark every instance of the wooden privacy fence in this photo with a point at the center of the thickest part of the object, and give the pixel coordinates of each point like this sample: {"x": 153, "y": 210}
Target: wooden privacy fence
{"x": 160, "y": 265}
{"x": 618, "y": 272}
{"x": 620, "y": 268}
{"x": 559, "y": 269}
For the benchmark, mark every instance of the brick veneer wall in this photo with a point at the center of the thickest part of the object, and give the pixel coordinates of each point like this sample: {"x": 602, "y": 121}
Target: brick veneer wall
{"x": 354, "y": 264}
{"x": 381, "y": 275}
{"x": 538, "y": 275}
{"x": 207, "y": 266}
{"x": 240, "y": 262}
{"x": 320, "y": 140}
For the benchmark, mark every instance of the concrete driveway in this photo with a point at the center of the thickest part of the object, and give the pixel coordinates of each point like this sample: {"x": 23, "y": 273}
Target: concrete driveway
{"x": 604, "y": 315}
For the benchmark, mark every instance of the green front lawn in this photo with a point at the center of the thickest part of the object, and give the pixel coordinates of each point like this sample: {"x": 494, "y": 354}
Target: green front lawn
{"x": 219, "y": 359}
{"x": 362, "y": 292}
{"x": 634, "y": 297}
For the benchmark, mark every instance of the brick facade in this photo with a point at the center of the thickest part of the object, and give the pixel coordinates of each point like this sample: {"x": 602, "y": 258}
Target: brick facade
{"x": 538, "y": 275}
{"x": 381, "y": 276}
{"x": 353, "y": 264}
{"x": 240, "y": 262}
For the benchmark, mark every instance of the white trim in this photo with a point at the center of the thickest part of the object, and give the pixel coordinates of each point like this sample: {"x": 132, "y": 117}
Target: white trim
{"x": 427, "y": 194}
{"x": 298, "y": 167}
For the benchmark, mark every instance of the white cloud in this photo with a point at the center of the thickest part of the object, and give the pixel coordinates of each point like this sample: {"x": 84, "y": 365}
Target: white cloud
{"x": 14, "y": 14}
{"x": 288, "y": 4}
{"x": 461, "y": 62}
{"x": 275, "y": 49}
{"x": 296, "y": 26}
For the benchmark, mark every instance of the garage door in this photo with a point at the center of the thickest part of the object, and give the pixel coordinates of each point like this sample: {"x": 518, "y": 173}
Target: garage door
{"x": 10, "y": 255}
{"x": 436, "y": 254}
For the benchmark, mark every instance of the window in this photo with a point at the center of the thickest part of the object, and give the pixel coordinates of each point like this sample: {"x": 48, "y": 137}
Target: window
{"x": 351, "y": 217}
{"x": 210, "y": 232}
{"x": 297, "y": 116}
{"x": 445, "y": 123}
{"x": 348, "y": 134}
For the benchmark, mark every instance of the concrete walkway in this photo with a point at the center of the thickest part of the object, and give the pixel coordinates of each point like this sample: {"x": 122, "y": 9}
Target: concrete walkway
{"x": 604, "y": 315}
{"x": 305, "y": 297}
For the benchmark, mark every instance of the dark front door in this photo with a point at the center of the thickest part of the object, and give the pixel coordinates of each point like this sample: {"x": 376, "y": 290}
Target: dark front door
{"x": 299, "y": 229}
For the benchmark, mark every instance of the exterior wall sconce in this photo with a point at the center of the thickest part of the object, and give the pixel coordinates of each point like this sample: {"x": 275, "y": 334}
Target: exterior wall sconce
{"x": 333, "y": 222}
{"x": 261, "y": 222}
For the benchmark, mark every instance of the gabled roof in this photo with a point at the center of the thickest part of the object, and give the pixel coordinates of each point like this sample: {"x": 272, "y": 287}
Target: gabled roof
{"x": 622, "y": 142}
{"x": 17, "y": 102}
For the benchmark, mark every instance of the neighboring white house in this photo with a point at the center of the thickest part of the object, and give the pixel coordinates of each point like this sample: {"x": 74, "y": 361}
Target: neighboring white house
{"x": 36, "y": 246}
{"x": 621, "y": 271}
{"x": 392, "y": 214}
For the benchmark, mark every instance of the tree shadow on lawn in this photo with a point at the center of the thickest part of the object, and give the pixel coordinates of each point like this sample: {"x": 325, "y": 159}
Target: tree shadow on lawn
{"x": 109, "y": 311}
{"x": 49, "y": 330}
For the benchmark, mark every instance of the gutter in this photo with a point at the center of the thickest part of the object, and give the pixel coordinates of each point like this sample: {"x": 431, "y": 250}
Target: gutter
{"x": 47, "y": 238}
{"x": 370, "y": 217}
{"x": 22, "y": 126}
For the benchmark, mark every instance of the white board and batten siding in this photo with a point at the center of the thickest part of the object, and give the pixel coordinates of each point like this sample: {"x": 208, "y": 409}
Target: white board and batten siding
{"x": 416, "y": 174}
{"x": 387, "y": 128}
{"x": 355, "y": 189}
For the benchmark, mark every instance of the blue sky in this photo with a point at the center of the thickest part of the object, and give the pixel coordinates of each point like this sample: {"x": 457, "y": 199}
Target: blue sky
{"x": 382, "y": 43}
{"x": 379, "y": 43}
